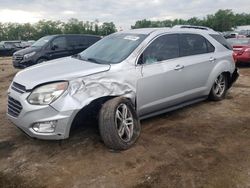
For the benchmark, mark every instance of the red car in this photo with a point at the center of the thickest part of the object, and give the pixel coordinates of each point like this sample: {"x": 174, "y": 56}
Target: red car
{"x": 241, "y": 48}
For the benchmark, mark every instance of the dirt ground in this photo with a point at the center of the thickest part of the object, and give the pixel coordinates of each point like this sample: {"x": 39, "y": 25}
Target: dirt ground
{"x": 204, "y": 145}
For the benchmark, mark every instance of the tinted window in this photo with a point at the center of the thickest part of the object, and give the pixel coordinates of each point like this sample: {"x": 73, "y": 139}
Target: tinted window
{"x": 192, "y": 44}
{"x": 222, "y": 41}
{"x": 60, "y": 42}
{"x": 92, "y": 40}
{"x": 74, "y": 41}
{"x": 83, "y": 41}
{"x": 210, "y": 47}
{"x": 162, "y": 48}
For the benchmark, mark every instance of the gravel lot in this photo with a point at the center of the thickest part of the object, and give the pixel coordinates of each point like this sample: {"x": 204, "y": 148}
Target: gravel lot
{"x": 203, "y": 145}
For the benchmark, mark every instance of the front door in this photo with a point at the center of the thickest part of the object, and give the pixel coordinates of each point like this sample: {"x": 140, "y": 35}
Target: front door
{"x": 59, "y": 48}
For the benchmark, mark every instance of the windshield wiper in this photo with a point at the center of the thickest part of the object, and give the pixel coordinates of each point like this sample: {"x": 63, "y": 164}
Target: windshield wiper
{"x": 93, "y": 60}
{"x": 78, "y": 56}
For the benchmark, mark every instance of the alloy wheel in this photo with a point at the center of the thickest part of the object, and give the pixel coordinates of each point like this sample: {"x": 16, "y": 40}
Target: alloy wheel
{"x": 124, "y": 122}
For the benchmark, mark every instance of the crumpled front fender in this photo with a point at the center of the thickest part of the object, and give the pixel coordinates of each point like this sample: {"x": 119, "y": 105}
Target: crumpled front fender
{"x": 97, "y": 86}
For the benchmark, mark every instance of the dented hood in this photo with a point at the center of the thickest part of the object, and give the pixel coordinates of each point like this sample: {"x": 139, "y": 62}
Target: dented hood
{"x": 60, "y": 69}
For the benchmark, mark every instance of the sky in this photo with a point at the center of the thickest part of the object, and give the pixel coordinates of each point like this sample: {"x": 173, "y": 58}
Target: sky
{"x": 123, "y": 13}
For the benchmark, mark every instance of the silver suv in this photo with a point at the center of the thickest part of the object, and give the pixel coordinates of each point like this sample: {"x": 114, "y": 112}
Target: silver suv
{"x": 125, "y": 77}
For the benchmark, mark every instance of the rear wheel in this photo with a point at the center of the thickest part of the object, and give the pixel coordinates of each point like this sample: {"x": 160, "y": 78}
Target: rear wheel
{"x": 118, "y": 124}
{"x": 219, "y": 89}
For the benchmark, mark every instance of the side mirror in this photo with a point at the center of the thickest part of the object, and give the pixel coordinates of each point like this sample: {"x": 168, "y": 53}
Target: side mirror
{"x": 54, "y": 47}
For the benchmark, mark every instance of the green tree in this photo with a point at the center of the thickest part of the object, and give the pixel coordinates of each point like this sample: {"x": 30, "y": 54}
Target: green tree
{"x": 49, "y": 27}
{"x": 107, "y": 28}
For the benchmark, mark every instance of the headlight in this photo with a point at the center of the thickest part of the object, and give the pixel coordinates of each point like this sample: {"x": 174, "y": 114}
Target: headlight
{"x": 27, "y": 56}
{"x": 46, "y": 94}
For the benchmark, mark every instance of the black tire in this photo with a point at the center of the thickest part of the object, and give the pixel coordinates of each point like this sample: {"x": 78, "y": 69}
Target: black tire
{"x": 41, "y": 60}
{"x": 109, "y": 123}
{"x": 218, "y": 96}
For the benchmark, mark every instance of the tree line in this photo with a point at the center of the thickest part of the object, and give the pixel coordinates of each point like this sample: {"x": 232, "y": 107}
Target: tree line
{"x": 27, "y": 31}
{"x": 222, "y": 20}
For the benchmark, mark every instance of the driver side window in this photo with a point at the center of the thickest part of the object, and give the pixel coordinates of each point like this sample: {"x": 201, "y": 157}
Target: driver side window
{"x": 59, "y": 42}
{"x": 163, "y": 48}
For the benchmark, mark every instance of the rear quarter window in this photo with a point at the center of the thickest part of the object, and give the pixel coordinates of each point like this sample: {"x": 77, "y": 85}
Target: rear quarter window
{"x": 222, "y": 41}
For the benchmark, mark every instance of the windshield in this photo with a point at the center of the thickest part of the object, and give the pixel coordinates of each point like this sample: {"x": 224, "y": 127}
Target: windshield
{"x": 113, "y": 48}
{"x": 242, "y": 41}
{"x": 42, "y": 41}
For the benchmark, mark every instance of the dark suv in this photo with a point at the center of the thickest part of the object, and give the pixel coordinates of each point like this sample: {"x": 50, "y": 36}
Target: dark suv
{"x": 52, "y": 47}
{"x": 7, "y": 48}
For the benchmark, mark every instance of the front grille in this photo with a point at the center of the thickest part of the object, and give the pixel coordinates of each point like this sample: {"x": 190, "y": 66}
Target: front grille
{"x": 18, "y": 87}
{"x": 18, "y": 57}
{"x": 14, "y": 107}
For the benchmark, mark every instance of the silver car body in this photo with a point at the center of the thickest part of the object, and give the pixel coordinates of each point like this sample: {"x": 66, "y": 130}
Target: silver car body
{"x": 152, "y": 88}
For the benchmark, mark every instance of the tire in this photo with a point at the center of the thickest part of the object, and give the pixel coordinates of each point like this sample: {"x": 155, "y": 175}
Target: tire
{"x": 118, "y": 124}
{"x": 219, "y": 88}
{"x": 41, "y": 60}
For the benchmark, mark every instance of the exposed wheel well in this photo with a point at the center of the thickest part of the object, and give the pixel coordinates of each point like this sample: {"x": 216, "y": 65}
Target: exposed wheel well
{"x": 90, "y": 112}
{"x": 228, "y": 75}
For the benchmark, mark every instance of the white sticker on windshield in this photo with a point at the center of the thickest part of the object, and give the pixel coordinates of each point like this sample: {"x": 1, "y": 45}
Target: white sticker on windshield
{"x": 130, "y": 37}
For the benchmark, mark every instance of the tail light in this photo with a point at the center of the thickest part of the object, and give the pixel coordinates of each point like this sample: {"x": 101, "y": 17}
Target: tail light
{"x": 243, "y": 50}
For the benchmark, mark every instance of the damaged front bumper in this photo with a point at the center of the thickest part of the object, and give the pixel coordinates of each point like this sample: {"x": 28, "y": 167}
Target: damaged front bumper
{"x": 43, "y": 122}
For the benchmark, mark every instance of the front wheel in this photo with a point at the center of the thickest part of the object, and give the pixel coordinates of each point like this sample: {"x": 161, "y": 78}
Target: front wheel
{"x": 219, "y": 89}
{"x": 118, "y": 124}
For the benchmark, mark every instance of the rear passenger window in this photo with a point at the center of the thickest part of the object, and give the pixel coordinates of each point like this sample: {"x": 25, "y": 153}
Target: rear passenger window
{"x": 77, "y": 41}
{"x": 83, "y": 41}
{"x": 163, "y": 48}
{"x": 192, "y": 44}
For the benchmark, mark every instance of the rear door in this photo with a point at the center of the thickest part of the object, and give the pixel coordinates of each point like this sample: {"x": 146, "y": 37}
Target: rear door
{"x": 59, "y": 48}
{"x": 198, "y": 58}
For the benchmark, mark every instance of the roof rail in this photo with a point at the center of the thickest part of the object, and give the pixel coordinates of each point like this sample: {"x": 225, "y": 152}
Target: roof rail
{"x": 192, "y": 27}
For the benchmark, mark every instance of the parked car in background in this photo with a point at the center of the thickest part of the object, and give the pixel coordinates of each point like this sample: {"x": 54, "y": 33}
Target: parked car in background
{"x": 53, "y": 47}
{"x": 241, "y": 48}
{"x": 7, "y": 48}
{"x": 245, "y": 33}
{"x": 123, "y": 78}
{"x": 230, "y": 34}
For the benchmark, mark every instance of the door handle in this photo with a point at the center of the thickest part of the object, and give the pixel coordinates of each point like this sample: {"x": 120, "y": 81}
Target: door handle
{"x": 178, "y": 67}
{"x": 212, "y": 59}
